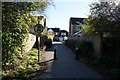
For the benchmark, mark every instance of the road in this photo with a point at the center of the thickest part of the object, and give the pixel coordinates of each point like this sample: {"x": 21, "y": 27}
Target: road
{"x": 66, "y": 66}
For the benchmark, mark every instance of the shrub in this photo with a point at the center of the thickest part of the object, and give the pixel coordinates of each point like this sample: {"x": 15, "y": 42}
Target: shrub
{"x": 48, "y": 43}
{"x": 111, "y": 46}
{"x": 104, "y": 61}
{"x": 85, "y": 48}
{"x": 115, "y": 71}
{"x": 70, "y": 43}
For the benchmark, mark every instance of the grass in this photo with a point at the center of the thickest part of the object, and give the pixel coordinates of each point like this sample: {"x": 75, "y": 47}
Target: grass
{"x": 25, "y": 68}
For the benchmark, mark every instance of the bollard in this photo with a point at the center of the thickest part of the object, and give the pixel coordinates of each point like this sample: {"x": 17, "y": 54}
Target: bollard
{"x": 76, "y": 53}
{"x": 55, "y": 52}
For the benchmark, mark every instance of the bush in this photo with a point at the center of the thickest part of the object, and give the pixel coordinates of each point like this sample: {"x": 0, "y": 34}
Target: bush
{"x": 70, "y": 43}
{"x": 48, "y": 43}
{"x": 115, "y": 71}
{"x": 104, "y": 61}
{"x": 85, "y": 48}
{"x": 111, "y": 46}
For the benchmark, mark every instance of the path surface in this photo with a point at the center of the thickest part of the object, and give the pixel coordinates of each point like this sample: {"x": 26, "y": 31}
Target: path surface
{"x": 66, "y": 66}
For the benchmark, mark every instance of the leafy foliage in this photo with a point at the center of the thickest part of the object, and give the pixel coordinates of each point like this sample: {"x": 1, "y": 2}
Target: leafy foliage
{"x": 48, "y": 43}
{"x": 16, "y": 21}
{"x": 24, "y": 67}
{"x": 85, "y": 48}
{"x": 104, "y": 18}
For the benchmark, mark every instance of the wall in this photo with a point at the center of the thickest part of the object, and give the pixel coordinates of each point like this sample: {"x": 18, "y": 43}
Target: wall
{"x": 30, "y": 42}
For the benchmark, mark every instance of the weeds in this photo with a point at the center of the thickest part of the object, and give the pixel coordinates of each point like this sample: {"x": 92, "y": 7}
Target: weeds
{"x": 24, "y": 67}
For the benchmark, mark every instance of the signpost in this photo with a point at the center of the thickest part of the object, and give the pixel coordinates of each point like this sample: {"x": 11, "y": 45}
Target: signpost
{"x": 38, "y": 29}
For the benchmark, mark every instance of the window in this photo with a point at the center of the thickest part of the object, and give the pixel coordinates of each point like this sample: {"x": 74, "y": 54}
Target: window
{"x": 56, "y": 33}
{"x": 63, "y": 34}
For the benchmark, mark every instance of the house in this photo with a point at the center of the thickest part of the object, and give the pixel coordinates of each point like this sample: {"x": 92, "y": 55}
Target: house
{"x": 59, "y": 35}
{"x": 63, "y": 35}
{"x": 50, "y": 31}
{"x": 74, "y": 26}
{"x": 54, "y": 32}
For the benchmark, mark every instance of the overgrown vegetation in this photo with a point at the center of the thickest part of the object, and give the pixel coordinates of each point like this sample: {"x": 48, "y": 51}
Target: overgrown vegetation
{"x": 48, "y": 43}
{"x": 107, "y": 64}
{"x": 85, "y": 48}
{"x": 25, "y": 66}
{"x": 111, "y": 46}
{"x": 105, "y": 20}
{"x": 16, "y": 21}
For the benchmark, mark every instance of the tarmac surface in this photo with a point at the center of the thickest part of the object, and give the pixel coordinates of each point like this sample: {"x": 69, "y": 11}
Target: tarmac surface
{"x": 66, "y": 66}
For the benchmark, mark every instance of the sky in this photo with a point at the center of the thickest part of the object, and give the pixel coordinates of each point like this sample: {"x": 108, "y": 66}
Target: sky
{"x": 59, "y": 15}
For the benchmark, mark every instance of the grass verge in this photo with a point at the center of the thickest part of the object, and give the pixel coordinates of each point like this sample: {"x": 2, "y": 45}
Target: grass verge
{"x": 26, "y": 67}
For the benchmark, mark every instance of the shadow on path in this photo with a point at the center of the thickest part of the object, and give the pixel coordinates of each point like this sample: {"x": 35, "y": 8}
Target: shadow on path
{"x": 66, "y": 66}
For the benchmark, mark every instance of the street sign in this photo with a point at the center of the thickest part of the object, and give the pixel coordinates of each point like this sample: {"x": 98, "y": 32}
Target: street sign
{"x": 38, "y": 35}
{"x": 38, "y": 28}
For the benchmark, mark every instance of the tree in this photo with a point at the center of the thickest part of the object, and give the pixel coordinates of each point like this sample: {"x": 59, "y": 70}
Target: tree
{"x": 104, "y": 18}
{"x": 16, "y": 20}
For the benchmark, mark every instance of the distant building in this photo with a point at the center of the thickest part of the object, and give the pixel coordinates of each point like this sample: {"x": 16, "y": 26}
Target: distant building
{"x": 55, "y": 32}
{"x": 74, "y": 26}
{"x": 59, "y": 35}
{"x": 50, "y": 31}
{"x": 63, "y": 35}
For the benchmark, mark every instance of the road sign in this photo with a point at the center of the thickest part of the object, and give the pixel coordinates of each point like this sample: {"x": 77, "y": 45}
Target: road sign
{"x": 38, "y": 35}
{"x": 38, "y": 28}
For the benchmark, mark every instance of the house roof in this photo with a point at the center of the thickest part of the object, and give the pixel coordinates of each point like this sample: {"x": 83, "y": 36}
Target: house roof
{"x": 50, "y": 31}
{"x": 55, "y": 29}
{"x": 75, "y": 21}
{"x": 63, "y": 31}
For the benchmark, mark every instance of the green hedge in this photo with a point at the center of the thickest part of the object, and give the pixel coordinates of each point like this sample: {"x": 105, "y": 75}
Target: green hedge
{"x": 48, "y": 43}
{"x": 111, "y": 46}
{"x": 110, "y": 63}
{"x": 85, "y": 48}
{"x": 70, "y": 44}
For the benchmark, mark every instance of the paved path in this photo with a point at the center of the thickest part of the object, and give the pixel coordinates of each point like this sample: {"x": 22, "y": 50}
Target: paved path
{"x": 66, "y": 66}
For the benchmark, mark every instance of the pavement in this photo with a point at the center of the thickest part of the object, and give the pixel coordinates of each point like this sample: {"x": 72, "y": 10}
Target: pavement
{"x": 65, "y": 66}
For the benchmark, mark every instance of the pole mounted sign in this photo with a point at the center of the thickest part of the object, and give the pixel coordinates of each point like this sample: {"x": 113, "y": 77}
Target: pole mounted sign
{"x": 38, "y": 28}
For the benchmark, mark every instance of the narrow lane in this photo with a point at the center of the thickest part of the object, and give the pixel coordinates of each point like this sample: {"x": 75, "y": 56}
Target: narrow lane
{"x": 66, "y": 66}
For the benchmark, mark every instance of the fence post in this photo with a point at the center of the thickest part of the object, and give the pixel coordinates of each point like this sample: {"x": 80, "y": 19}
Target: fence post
{"x": 55, "y": 52}
{"x": 76, "y": 53}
